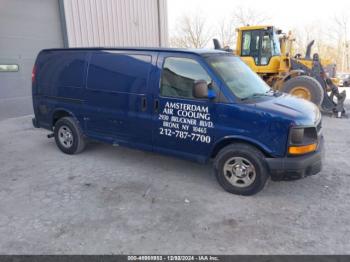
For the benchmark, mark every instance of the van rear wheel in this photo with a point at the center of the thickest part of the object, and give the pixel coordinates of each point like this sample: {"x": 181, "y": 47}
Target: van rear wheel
{"x": 240, "y": 169}
{"x": 68, "y": 136}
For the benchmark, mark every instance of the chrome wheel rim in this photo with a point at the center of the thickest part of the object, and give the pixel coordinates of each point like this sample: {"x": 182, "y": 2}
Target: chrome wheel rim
{"x": 65, "y": 136}
{"x": 239, "y": 172}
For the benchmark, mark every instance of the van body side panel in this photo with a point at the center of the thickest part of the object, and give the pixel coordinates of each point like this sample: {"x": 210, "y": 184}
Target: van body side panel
{"x": 59, "y": 85}
{"x": 113, "y": 93}
{"x": 170, "y": 101}
{"x": 117, "y": 98}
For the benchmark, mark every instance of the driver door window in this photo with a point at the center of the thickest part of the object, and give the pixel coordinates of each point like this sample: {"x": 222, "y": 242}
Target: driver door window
{"x": 179, "y": 75}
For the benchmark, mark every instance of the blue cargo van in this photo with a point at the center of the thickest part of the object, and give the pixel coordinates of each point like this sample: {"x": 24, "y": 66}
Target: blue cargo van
{"x": 200, "y": 105}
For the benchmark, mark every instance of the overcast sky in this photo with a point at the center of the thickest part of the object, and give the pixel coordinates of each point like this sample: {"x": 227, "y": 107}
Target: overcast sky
{"x": 284, "y": 14}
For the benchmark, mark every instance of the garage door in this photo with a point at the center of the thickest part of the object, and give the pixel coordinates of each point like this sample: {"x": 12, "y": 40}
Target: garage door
{"x": 26, "y": 27}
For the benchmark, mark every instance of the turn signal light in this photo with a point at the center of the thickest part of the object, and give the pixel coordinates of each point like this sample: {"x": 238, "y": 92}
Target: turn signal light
{"x": 299, "y": 150}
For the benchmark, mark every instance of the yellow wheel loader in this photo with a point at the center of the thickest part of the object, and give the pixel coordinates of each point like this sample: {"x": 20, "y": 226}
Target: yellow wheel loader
{"x": 268, "y": 52}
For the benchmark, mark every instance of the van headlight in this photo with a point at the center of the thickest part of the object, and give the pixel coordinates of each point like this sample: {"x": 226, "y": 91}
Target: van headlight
{"x": 302, "y": 140}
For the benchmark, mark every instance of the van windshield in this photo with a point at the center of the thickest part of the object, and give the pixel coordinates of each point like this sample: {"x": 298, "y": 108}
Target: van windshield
{"x": 241, "y": 80}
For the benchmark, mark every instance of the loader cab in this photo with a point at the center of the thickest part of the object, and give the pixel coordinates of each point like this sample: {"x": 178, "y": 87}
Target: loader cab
{"x": 259, "y": 47}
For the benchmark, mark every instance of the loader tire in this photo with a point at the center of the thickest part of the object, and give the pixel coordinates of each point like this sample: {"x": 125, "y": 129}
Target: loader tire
{"x": 305, "y": 87}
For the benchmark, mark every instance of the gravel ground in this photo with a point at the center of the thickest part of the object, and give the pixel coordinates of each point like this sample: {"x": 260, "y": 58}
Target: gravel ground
{"x": 111, "y": 200}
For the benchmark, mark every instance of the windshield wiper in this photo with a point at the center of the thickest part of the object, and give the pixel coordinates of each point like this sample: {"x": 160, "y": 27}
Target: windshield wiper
{"x": 254, "y": 95}
{"x": 270, "y": 92}
{"x": 267, "y": 93}
{"x": 274, "y": 92}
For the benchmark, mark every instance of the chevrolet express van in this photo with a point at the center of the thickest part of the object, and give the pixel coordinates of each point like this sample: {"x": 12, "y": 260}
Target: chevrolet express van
{"x": 200, "y": 105}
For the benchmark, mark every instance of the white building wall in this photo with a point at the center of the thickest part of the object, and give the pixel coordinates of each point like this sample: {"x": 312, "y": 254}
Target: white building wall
{"x": 116, "y": 23}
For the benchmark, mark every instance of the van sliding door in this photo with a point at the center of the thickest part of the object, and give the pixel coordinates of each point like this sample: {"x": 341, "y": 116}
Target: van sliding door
{"x": 117, "y": 97}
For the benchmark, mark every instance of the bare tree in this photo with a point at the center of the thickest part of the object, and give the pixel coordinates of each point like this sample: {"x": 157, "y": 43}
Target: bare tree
{"x": 304, "y": 36}
{"x": 192, "y": 32}
{"x": 248, "y": 16}
{"x": 331, "y": 43}
{"x": 341, "y": 29}
{"x": 323, "y": 44}
{"x": 227, "y": 32}
{"x": 239, "y": 17}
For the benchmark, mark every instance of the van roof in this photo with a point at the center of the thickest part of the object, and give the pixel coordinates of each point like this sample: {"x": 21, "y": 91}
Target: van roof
{"x": 149, "y": 49}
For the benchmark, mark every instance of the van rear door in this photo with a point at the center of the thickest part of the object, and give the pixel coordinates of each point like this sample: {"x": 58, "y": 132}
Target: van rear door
{"x": 117, "y": 97}
{"x": 59, "y": 83}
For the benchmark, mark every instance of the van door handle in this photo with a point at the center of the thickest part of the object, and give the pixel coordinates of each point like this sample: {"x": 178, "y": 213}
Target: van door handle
{"x": 156, "y": 105}
{"x": 143, "y": 104}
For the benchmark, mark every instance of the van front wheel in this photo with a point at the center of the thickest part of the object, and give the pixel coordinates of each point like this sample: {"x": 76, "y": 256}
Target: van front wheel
{"x": 69, "y": 139}
{"x": 240, "y": 169}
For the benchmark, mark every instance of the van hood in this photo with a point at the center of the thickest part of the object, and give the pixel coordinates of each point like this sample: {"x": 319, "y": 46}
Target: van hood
{"x": 298, "y": 110}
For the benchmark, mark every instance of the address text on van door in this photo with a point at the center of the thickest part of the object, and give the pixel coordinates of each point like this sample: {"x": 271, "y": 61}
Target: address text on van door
{"x": 186, "y": 121}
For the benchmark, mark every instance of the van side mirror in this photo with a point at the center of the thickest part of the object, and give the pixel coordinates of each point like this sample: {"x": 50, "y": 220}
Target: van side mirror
{"x": 211, "y": 93}
{"x": 201, "y": 90}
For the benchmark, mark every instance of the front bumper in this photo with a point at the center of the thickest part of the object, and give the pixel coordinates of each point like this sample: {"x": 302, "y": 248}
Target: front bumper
{"x": 292, "y": 168}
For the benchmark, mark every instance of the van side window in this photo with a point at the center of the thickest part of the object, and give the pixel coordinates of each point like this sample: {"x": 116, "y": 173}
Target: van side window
{"x": 179, "y": 75}
{"x": 116, "y": 72}
{"x": 63, "y": 69}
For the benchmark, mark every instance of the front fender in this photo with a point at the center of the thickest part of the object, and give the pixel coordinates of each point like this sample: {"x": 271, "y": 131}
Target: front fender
{"x": 224, "y": 141}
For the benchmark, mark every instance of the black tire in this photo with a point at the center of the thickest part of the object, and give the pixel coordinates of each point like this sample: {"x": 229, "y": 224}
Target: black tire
{"x": 308, "y": 82}
{"x": 68, "y": 124}
{"x": 254, "y": 157}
